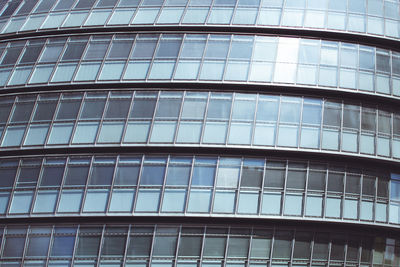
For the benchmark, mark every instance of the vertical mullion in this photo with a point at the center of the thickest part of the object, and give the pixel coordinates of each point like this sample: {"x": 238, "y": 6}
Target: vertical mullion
{"x": 229, "y": 122}
{"x": 183, "y": 37}
{"x": 101, "y": 121}
{"x": 85, "y": 188}
{"x": 138, "y": 183}
{"x": 149, "y": 70}
{"x": 36, "y": 190}
{"x": 189, "y": 184}
{"x": 61, "y": 184}
{"x": 128, "y": 57}
{"x": 51, "y": 123}
{"x": 97, "y": 263}
{"x": 178, "y": 119}
{"x": 153, "y": 120}
{"x": 112, "y": 184}
{"x": 205, "y": 118}
{"x": 127, "y": 118}
{"x": 163, "y": 185}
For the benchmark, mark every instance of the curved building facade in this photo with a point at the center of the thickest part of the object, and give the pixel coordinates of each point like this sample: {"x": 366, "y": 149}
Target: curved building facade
{"x": 183, "y": 133}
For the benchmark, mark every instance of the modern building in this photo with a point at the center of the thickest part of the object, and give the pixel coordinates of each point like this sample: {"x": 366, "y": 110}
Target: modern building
{"x": 199, "y": 133}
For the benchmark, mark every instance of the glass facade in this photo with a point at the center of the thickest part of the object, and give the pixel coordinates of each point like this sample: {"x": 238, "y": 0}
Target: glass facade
{"x": 188, "y": 245}
{"x": 199, "y": 133}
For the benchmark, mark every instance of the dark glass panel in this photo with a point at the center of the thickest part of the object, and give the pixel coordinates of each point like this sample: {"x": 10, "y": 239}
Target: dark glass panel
{"x": 44, "y": 111}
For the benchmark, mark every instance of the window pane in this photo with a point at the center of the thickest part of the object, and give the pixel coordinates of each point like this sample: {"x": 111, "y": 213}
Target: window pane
{"x": 199, "y": 200}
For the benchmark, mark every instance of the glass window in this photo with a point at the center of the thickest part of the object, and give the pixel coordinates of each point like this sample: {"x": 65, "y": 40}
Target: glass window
{"x": 204, "y": 172}
{"x": 95, "y": 201}
{"x": 53, "y": 172}
{"x": 148, "y": 200}
{"x": 93, "y": 108}
{"x": 174, "y": 200}
{"x": 120, "y": 17}
{"x": 87, "y": 71}
{"x": 196, "y": 15}
{"x": 228, "y": 172}
{"x": 31, "y": 54}
{"x": 296, "y": 177}
{"x": 13, "y": 136}
{"x": 102, "y": 172}
{"x": 199, "y": 200}
{"x": 314, "y": 206}
{"x": 168, "y": 48}
{"x": 261, "y": 244}
{"x": 20, "y": 75}
{"x": 240, "y": 133}
{"x": 137, "y": 132}
{"x": 162, "y": 70}
{"x": 63, "y": 245}
{"x": 143, "y": 106}
{"x": 145, "y": 16}
{"x": 77, "y": 172}
{"x": 271, "y": 203}
{"x": 293, "y": 205}
{"x": 88, "y": 246}
{"x": 8, "y": 172}
{"x": 333, "y": 207}
{"x": 140, "y": 245}
{"x": 36, "y": 134}
{"x": 60, "y": 133}
{"x": 112, "y": 71}
{"x": 282, "y": 245}
{"x": 14, "y": 246}
{"x": 85, "y": 132}
{"x": 190, "y": 246}
{"x": 96, "y": 50}
{"x": 178, "y": 171}
{"x": 153, "y": 171}
{"x": 114, "y": 245}
{"x": 21, "y": 202}
{"x": 220, "y": 16}
{"x": 119, "y": 48}
{"x": 11, "y": 55}
{"x": 163, "y": 132}
{"x": 118, "y": 108}
{"x": 122, "y": 200}
{"x": 51, "y": 53}
{"x": 224, "y": 202}
{"x": 194, "y": 108}
{"x": 38, "y": 245}
{"x": 252, "y": 173}
{"x": 238, "y": 247}
{"x": 64, "y": 73}
{"x": 53, "y": 20}
{"x": 168, "y": 108}
{"x": 45, "y": 202}
{"x": 302, "y": 245}
{"x": 111, "y": 132}
{"x": 44, "y": 111}
{"x": 248, "y": 202}
{"x": 70, "y": 201}
{"x": 22, "y": 112}
{"x": 97, "y": 18}
{"x": 127, "y": 171}
{"x": 321, "y": 246}
{"x": 74, "y": 51}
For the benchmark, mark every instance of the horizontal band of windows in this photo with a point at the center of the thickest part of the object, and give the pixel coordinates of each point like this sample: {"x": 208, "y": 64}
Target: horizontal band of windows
{"x": 178, "y": 57}
{"x": 187, "y": 245}
{"x": 199, "y": 118}
{"x": 198, "y": 185}
{"x": 382, "y": 20}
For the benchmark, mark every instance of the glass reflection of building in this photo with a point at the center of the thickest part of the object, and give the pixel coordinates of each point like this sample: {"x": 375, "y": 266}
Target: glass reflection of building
{"x": 199, "y": 133}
